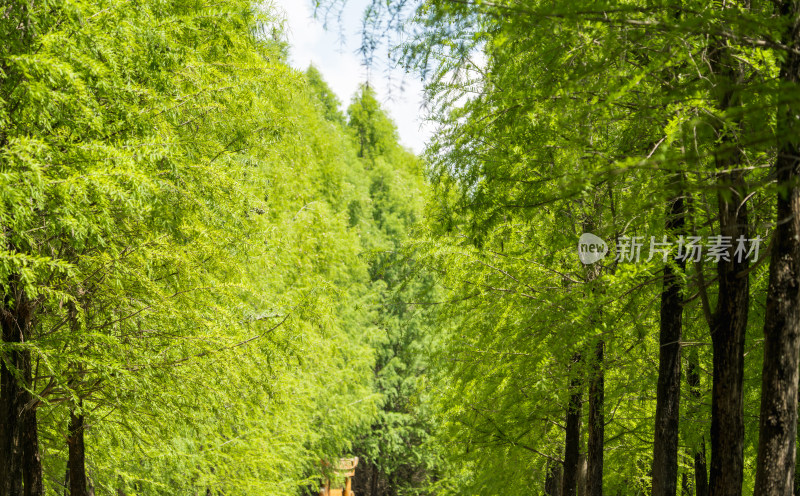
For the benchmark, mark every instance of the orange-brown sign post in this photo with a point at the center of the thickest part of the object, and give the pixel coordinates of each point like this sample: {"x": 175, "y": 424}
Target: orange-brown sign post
{"x": 345, "y": 467}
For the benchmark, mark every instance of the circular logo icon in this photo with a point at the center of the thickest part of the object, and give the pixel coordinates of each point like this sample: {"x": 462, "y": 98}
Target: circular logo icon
{"x": 591, "y": 248}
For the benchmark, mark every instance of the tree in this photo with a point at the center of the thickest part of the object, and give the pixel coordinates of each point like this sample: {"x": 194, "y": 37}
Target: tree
{"x": 561, "y": 111}
{"x": 149, "y": 157}
{"x": 373, "y": 131}
{"x": 327, "y": 98}
{"x": 778, "y": 420}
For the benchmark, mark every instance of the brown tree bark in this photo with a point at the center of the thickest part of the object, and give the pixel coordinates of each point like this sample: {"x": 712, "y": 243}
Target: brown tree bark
{"x": 10, "y": 450}
{"x": 668, "y": 389}
{"x": 20, "y": 465}
{"x": 31, "y": 460}
{"x": 552, "y": 481}
{"x": 572, "y": 438}
{"x": 796, "y": 472}
{"x": 10, "y": 442}
{"x": 593, "y": 479}
{"x": 729, "y": 321}
{"x": 727, "y": 337}
{"x": 77, "y": 456}
{"x": 374, "y": 482}
{"x": 778, "y": 420}
{"x": 596, "y": 434}
{"x": 582, "y": 474}
{"x": 700, "y": 465}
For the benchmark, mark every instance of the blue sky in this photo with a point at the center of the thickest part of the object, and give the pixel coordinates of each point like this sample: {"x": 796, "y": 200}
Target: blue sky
{"x": 334, "y": 53}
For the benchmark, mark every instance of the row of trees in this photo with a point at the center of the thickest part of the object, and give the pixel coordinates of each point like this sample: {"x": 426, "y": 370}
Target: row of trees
{"x": 195, "y": 296}
{"x": 674, "y": 121}
{"x": 212, "y": 277}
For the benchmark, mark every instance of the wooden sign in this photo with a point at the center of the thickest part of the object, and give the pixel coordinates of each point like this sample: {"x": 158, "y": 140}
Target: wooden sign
{"x": 344, "y": 468}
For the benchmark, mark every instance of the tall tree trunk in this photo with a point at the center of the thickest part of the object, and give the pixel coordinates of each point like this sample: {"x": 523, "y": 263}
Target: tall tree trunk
{"x": 77, "y": 456}
{"x": 727, "y": 337}
{"x": 778, "y": 421}
{"x": 374, "y": 483}
{"x": 596, "y": 421}
{"x": 701, "y": 471}
{"x": 20, "y": 465}
{"x": 572, "y": 437}
{"x": 668, "y": 390}
{"x": 796, "y": 472}
{"x": 700, "y": 466}
{"x": 730, "y": 317}
{"x": 594, "y": 455}
{"x": 31, "y": 460}
{"x": 552, "y": 481}
{"x": 10, "y": 442}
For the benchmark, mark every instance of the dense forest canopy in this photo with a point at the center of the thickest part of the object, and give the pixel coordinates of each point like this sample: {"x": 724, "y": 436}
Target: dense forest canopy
{"x": 218, "y": 278}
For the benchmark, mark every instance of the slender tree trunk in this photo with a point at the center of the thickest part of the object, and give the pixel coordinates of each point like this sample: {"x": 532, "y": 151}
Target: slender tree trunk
{"x": 727, "y": 337}
{"x": 700, "y": 466}
{"x": 10, "y": 442}
{"x": 778, "y": 421}
{"x": 31, "y": 460}
{"x": 796, "y": 474}
{"x": 593, "y": 481}
{"x": 374, "y": 483}
{"x": 77, "y": 456}
{"x": 701, "y": 471}
{"x": 668, "y": 390}
{"x": 594, "y": 455}
{"x": 730, "y": 317}
{"x": 572, "y": 438}
{"x": 552, "y": 481}
{"x": 20, "y": 466}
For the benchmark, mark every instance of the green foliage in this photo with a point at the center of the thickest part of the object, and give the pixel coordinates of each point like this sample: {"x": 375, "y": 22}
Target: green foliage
{"x": 232, "y": 280}
{"x": 397, "y": 449}
{"x": 176, "y": 201}
{"x": 373, "y": 131}
{"x": 557, "y": 119}
{"x": 327, "y": 98}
